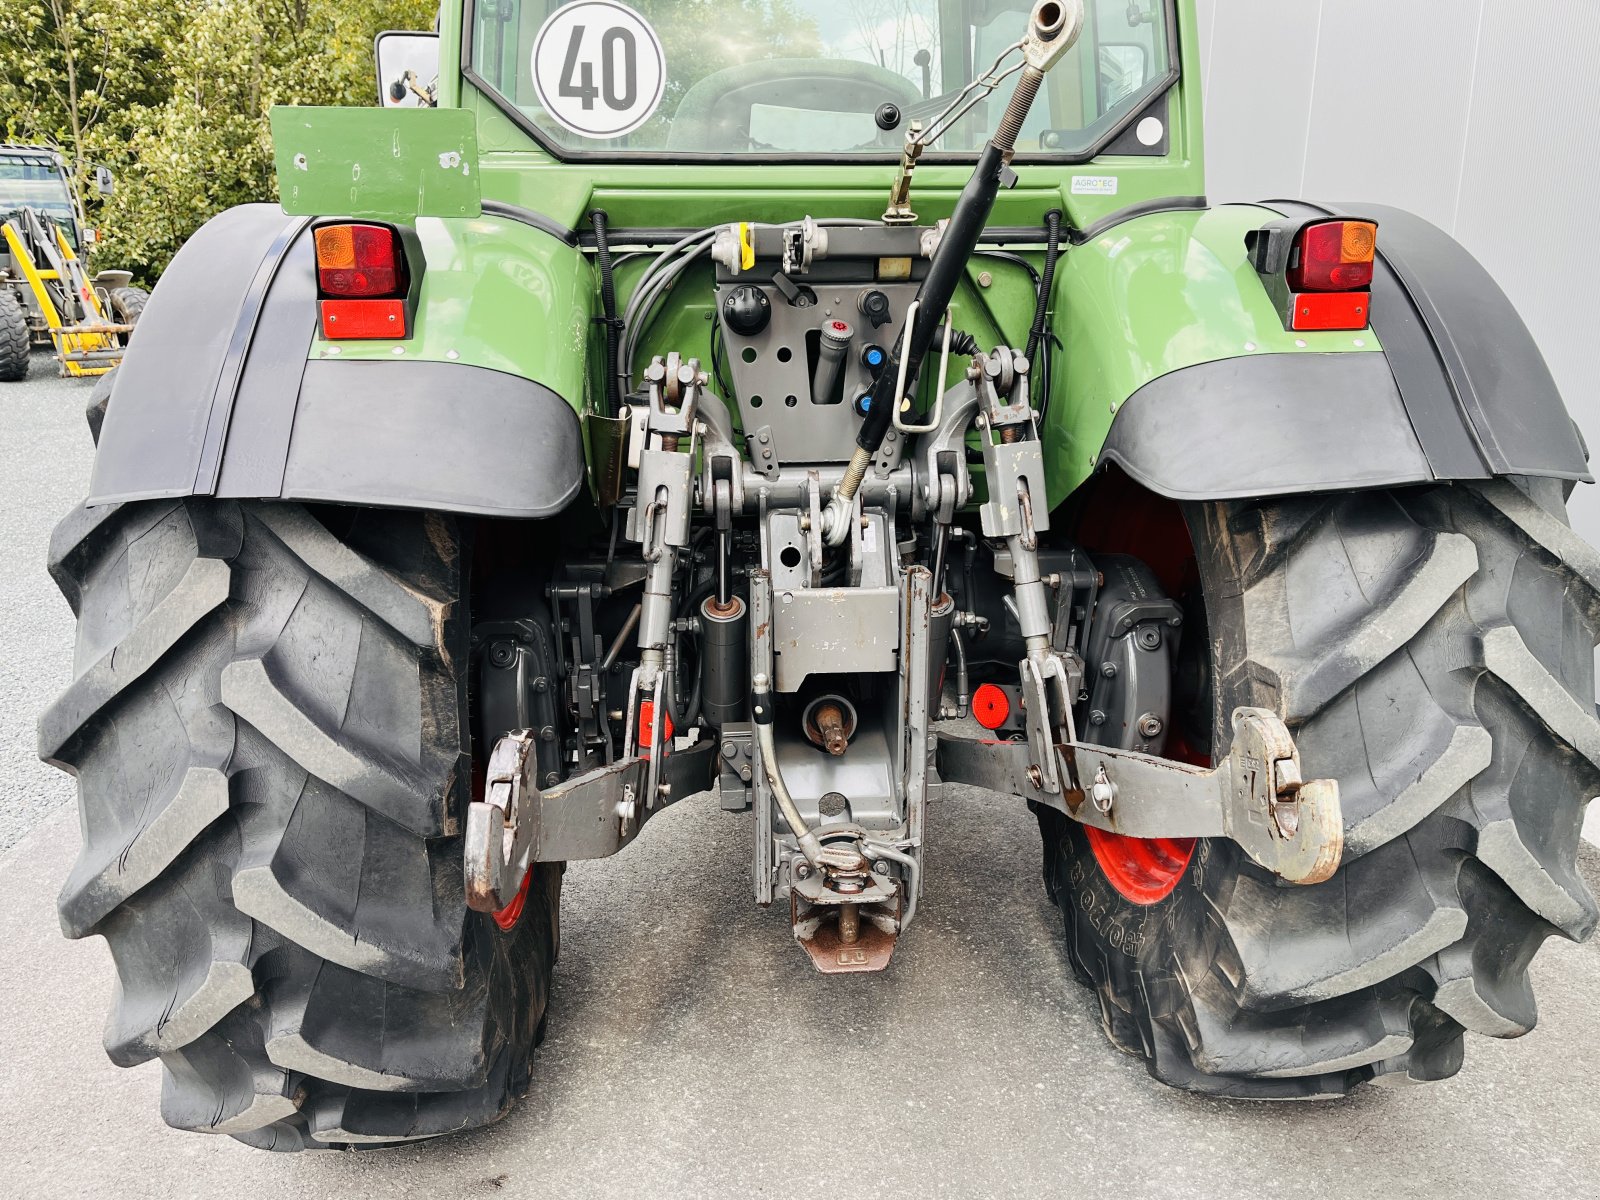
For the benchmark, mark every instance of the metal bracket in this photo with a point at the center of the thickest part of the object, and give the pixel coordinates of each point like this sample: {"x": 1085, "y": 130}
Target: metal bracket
{"x": 592, "y": 815}
{"x": 1256, "y": 796}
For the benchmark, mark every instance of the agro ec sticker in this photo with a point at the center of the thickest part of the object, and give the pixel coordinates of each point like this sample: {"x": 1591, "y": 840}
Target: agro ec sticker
{"x": 1094, "y": 185}
{"x": 599, "y": 68}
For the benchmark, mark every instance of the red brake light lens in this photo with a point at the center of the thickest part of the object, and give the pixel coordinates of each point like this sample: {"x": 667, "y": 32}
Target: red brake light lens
{"x": 359, "y": 260}
{"x": 1334, "y": 256}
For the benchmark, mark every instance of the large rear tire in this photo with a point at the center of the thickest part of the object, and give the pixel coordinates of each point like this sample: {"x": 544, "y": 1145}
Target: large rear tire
{"x": 15, "y": 342}
{"x": 1432, "y": 650}
{"x": 269, "y": 729}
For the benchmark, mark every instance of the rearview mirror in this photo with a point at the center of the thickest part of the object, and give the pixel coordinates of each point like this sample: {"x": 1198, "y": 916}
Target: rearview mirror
{"x": 104, "y": 181}
{"x": 408, "y": 69}
{"x": 1124, "y": 69}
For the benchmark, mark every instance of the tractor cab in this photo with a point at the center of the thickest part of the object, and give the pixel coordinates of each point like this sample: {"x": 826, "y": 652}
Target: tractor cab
{"x": 35, "y": 177}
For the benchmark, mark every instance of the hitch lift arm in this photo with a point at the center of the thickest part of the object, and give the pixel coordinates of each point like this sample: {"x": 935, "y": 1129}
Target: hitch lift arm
{"x": 1291, "y": 826}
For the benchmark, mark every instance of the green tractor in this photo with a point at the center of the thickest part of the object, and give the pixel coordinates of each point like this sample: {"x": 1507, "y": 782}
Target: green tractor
{"x": 808, "y": 420}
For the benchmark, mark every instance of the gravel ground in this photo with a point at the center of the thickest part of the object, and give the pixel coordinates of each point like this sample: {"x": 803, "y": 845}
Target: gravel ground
{"x": 45, "y": 455}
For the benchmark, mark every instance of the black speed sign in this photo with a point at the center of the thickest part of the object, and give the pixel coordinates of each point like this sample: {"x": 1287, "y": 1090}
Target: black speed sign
{"x": 599, "y": 68}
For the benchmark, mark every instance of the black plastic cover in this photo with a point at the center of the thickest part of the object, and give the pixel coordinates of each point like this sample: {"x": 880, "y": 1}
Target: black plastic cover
{"x": 1268, "y": 425}
{"x": 216, "y": 397}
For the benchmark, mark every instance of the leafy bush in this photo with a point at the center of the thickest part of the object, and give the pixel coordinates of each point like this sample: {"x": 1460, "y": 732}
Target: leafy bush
{"x": 174, "y": 99}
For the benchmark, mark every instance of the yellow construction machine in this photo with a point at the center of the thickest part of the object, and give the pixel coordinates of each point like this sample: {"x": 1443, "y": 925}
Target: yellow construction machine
{"x": 47, "y": 298}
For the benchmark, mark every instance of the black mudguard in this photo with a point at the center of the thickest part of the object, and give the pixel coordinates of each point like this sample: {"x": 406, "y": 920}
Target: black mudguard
{"x": 216, "y": 398}
{"x": 1461, "y": 391}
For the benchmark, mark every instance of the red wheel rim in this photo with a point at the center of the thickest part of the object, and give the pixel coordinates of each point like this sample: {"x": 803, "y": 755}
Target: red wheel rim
{"x": 1144, "y": 870}
{"x": 508, "y": 916}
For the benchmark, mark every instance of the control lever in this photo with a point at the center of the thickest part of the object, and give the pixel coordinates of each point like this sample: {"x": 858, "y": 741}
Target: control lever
{"x": 836, "y": 338}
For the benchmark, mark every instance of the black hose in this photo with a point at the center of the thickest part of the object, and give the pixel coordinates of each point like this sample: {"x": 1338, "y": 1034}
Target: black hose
{"x": 608, "y": 307}
{"x": 684, "y": 717}
{"x": 963, "y": 679}
{"x": 1052, "y": 255}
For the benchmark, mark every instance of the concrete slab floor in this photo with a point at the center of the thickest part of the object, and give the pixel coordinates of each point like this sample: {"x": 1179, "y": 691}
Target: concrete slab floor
{"x": 693, "y": 1051}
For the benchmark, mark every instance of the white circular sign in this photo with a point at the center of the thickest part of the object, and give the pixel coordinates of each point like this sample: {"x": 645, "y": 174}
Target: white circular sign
{"x": 1150, "y": 131}
{"x": 599, "y": 68}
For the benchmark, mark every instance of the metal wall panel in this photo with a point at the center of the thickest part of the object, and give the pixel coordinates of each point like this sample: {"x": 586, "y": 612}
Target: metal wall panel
{"x": 1262, "y": 55}
{"x": 1389, "y": 102}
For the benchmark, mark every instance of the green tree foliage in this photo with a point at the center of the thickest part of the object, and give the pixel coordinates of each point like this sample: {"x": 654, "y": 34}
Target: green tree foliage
{"x": 174, "y": 98}
{"x": 79, "y": 75}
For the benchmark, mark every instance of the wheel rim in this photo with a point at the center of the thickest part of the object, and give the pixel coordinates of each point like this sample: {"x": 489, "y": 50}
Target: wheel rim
{"x": 1143, "y": 870}
{"x": 508, "y": 916}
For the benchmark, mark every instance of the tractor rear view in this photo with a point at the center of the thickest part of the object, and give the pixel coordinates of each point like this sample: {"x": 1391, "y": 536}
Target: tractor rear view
{"x": 806, "y": 422}
{"x": 47, "y": 298}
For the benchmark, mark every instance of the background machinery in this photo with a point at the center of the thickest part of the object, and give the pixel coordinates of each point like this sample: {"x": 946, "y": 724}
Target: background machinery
{"x": 47, "y": 297}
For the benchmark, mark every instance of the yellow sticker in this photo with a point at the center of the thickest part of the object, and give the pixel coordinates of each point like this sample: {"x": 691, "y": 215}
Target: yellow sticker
{"x": 747, "y": 247}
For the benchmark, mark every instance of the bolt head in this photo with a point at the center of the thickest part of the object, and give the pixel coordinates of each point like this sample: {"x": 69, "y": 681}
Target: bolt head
{"x": 1097, "y": 717}
{"x": 1108, "y": 669}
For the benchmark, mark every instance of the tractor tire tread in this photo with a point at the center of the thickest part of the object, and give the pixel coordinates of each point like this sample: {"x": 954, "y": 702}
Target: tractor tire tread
{"x": 267, "y": 728}
{"x": 1433, "y": 651}
{"x": 16, "y": 343}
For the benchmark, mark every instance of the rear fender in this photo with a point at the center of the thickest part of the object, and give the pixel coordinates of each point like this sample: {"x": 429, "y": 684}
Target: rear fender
{"x": 228, "y": 390}
{"x": 1178, "y": 369}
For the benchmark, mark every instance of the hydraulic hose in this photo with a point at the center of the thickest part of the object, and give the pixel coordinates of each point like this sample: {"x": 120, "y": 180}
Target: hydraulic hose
{"x": 1052, "y": 255}
{"x": 963, "y": 679}
{"x": 761, "y": 709}
{"x": 608, "y": 307}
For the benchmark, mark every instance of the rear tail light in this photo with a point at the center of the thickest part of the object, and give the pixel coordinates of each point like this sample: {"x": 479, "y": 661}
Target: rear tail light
{"x": 359, "y": 260}
{"x": 1318, "y": 272}
{"x": 365, "y": 282}
{"x": 348, "y": 320}
{"x": 1335, "y": 256}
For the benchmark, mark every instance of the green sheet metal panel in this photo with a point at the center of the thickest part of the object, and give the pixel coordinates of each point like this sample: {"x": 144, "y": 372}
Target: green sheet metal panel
{"x": 395, "y": 164}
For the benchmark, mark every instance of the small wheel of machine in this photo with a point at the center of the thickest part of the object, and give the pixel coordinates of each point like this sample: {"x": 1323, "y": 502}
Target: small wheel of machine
{"x": 15, "y": 341}
{"x": 269, "y": 731}
{"x": 127, "y": 304}
{"x": 1432, "y": 651}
